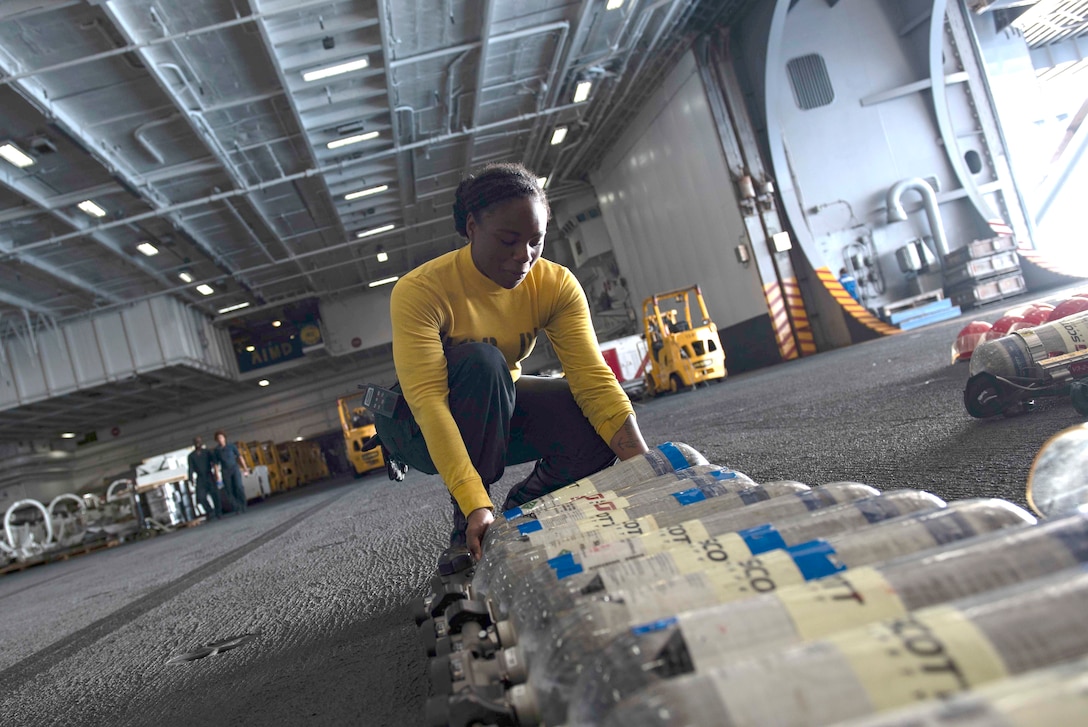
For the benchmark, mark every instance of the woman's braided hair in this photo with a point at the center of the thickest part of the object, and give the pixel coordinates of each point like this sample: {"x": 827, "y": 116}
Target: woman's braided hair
{"x": 493, "y": 184}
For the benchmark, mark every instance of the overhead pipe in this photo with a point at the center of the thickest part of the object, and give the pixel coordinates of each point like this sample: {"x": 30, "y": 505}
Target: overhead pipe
{"x": 481, "y": 77}
{"x": 503, "y": 38}
{"x": 896, "y": 213}
{"x": 140, "y": 135}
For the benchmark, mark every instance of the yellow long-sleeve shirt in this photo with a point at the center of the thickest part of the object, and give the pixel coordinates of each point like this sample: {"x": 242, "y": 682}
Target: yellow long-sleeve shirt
{"x": 447, "y": 302}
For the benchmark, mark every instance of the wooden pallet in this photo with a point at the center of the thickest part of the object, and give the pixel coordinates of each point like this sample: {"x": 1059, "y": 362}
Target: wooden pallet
{"x": 58, "y": 555}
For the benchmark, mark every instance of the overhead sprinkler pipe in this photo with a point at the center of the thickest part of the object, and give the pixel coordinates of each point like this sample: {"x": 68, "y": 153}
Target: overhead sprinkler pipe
{"x": 896, "y": 213}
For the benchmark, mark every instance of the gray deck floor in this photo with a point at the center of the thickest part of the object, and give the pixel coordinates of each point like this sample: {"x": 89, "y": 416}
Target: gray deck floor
{"x": 323, "y": 575}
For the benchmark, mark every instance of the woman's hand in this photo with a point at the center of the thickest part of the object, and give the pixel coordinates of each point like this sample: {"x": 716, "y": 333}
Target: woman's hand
{"x": 478, "y": 522}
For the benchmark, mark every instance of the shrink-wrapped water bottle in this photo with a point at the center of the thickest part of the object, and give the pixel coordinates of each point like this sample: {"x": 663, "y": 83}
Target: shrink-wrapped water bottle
{"x": 567, "y": 629}
{"x": 926, "y": 655}
{"x": 706, "y": 638}
{"x": 1053, "y": 696}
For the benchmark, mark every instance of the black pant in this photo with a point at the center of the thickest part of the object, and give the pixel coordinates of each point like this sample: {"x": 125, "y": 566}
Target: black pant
{"x": 232, "y": 483}
{"x": 208, "y": 492}
{"x": 503, "y": 423}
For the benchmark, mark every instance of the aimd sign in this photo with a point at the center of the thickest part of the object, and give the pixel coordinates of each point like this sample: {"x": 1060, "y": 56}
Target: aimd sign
{"x": 269, "y": 355}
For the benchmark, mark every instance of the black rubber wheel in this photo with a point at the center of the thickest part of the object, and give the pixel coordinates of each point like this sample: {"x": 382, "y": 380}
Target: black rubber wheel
{"x": 1078, "y": 393}
{"x": 984, "y": 396}
{"x": 678, "y": 385}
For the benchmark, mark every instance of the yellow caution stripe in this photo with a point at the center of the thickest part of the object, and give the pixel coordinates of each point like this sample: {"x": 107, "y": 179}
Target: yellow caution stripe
{"x": 851, "y": 306}
{"x": 780, "y": 321}
{"x": 795, "y": 306}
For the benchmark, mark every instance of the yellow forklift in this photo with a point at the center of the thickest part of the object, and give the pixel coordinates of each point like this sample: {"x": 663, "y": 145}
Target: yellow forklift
{"x": 681, "y": 351}
{"x": 358, "y": 425}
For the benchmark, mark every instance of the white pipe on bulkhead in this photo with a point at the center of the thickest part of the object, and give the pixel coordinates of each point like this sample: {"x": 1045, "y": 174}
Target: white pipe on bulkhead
{"x": 896, "y": 213}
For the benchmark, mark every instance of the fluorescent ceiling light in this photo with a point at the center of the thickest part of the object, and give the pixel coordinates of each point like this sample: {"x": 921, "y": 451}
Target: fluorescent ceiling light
{"x": 236, "y": 306}
{"x": 185, "y": 277}
{"x": 382, "y": 256}
{"x": 250, "y": 349}
{"x": 542, "y": 181}
{"x": 205, "y": 289}
{"x": 91, "y": 208}
{"x": 383, "y": 281}
{"x": 14, "y": 155}
{"x": 375, "y": 231}
{"x": 614, "y": 5}
{"x": 318, "y": 74}
{"x": 276, "y": 324}
{"x": 366, "y": 192}
{"x": 581, "y": 91}
{"x": 263, "y": 382}
{"x": 147, "y": 249}
{"x": 68, "y": 435}
{"x": 352, "y": 139}
{"x": 298, "y": 439}
{"x": 559, "y": 134}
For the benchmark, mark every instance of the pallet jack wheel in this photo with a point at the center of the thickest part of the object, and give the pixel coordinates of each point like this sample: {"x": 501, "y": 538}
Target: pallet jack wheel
{"x": 1078, "y": 393}
{"x": 983, "y": 396}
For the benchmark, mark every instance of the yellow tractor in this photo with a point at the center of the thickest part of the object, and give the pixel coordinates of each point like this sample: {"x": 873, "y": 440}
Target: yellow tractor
{"x": 358, "y": 425}
{"x": 681, "y": 351}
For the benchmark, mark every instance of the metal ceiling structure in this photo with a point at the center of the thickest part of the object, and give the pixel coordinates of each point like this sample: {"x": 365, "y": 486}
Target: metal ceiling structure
{"x": 217, "y": 136}
{"x": 210, "y": 150}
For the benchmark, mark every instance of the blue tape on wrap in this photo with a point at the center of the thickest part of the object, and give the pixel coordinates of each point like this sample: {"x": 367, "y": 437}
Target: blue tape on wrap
{"x": 512, "y": 513}
{"x": 816, "y": 499}
{"x": 533, "y": 526}
{"x": 690, "y": 497}
{"x": 562, "y": 573}
{"x": 762, "y": 538}
{"x": 815, "y": 559}
{"x": 724, "y": 475}
{"x": 674, "y": 455}
{"x": 562, "y": 561}
{"x": 653, "y": 626}
{"x": 877, "y": 509}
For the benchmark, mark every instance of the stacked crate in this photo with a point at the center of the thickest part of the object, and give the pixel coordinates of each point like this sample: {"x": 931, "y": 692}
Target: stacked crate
{"x": 983, "y": 271}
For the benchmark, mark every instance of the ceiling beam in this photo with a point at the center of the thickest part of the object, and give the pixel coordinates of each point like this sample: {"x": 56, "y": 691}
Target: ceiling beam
{"x": 23, "y": 304}
{"x": 336, "y": 166}
{"x": 38, "y": 97}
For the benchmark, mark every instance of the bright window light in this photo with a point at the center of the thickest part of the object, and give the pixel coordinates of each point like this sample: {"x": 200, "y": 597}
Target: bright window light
{"x": 581, "y": 91}
{"x": 250, "y": 349}
{"x": 14, "y": 155}
{"x": 68, "y": 435}
{"x": 614, "y": 5}
{"x": 147, "y": 249}
{"x": 276, "y": 324}
{"x": 383, "y": 281}
{"x": 236, "y": 306}
{"x": 91, "y": 208}
{"x": 185, "y": 277}
{"x": 318, "y": 74}
{"x": 205, "y": 289}
{"x": 366, "y": 192}
{"x": 375, "y": 231}
{"x": 383, "y": 256}
{"x": 263, "y": 382}
{"x": 559, "y": 134}
{"x": 352, "y": 140}
{"x": 542, "y": 181}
